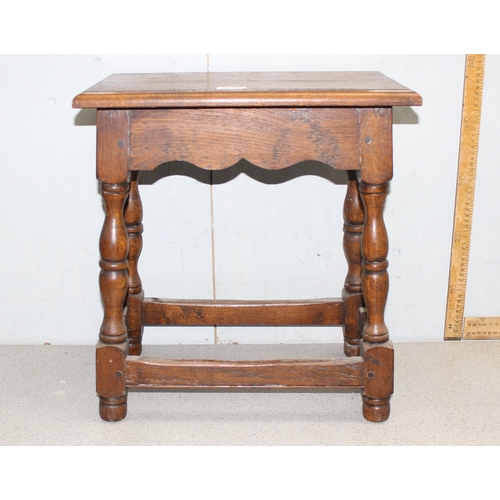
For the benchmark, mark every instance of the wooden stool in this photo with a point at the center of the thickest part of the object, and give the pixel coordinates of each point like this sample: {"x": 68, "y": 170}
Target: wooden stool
{"x": 273, "y": 120}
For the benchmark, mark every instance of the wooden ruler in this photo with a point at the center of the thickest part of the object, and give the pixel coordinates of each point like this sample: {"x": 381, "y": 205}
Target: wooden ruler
{"x": 482, "y": 328}
{"x": 464, "y": 202}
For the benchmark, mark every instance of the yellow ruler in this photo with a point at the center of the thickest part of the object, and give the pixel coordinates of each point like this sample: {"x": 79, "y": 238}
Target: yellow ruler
{"x": 482, "y": 328}
{"x": 464, "y": 202}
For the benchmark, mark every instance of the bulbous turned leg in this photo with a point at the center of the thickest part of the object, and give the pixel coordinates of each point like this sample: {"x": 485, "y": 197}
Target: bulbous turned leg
{"x": 376, "y": 349}
{"x": 135, "y": 295}
{"x": 113, "y": 283}
{"x": 354, "y": 216}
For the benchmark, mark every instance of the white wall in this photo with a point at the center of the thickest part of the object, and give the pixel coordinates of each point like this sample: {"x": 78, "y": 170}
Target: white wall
{"x": 274, "y": 235}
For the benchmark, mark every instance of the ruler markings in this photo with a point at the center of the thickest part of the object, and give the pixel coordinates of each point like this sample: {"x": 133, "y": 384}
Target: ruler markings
{"x": 482, "y": 328}
{"x": 464, "y": 201}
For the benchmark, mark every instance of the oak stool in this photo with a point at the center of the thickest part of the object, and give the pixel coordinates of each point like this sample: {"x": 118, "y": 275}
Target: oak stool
{"x": 273, "y": 120}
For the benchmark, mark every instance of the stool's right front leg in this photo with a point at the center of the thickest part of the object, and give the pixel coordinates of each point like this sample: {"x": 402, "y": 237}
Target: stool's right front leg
{"x": 376, "y": 349}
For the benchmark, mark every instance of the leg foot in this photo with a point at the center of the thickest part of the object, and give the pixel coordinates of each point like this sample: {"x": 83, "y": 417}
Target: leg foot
{"x": 353, "y": 322}
{"x": 134, "y": 322}
{"x": 351, "y": 349}
{"x": 379, "y": 380}
{"x": 135, "y": 349}
{"x": 376, "y": 410}
{"x": 113, "y": 409}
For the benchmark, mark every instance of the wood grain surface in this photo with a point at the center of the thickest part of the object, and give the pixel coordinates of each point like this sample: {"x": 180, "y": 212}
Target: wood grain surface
{"x": 269, "y": 138}
{"x": 161, "y": 373}
{"x": 238, "y": 312}
{"x": 265, "y": 89}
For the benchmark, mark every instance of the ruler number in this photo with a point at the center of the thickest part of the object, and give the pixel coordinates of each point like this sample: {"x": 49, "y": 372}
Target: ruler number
{"x": 464, "y": 202}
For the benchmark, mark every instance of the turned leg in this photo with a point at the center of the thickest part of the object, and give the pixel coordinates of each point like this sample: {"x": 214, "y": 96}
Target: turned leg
{"x": 354, "y": 216}
{"x": 113, "y": 281}
{"x": 135, "y": 296}
{"x": 376, "y": 348}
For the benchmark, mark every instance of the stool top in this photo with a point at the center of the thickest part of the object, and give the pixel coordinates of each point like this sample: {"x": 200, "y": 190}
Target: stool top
{"x": 265, "y": 89}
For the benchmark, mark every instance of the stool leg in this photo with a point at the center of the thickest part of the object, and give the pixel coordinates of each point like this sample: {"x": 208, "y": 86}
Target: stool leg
{"x": 135, "y": 296}
{"x": 113, "y": 345}
{"x": 376, "y": 348}
{"x": 354, "y": 216}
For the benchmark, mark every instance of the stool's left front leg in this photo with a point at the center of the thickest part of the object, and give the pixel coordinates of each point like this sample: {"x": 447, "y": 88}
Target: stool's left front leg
{"x": 111, "y": 352}
{"x": 112, "y": 345}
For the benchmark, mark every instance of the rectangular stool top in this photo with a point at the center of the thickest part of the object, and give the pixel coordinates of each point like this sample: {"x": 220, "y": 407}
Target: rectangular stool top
{"x": 265, "y": 89}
